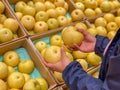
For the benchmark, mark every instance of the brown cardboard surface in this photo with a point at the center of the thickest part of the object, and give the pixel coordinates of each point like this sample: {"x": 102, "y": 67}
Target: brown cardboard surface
{"x": 27, "y": 45}
{"x": 59, "y": 88}
{"x": 93, "y": 69}
{"x": 72, "y": 5}
{"x": 64, "y": 86}
{"x": 14, "y": 1}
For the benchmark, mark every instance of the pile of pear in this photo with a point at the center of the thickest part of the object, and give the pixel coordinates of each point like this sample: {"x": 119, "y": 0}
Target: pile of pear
{"x": 8, "y": 26}
{"x": 39, "y": 16}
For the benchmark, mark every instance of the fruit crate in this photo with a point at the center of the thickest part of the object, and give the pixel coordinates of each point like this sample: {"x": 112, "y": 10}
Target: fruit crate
{"x": 20, "y": 33}
{"x": 71, "y": 7}
{"x": 106, "y": 24}
{"x": 26, "y": 51}
{"x": 46, "y": 37}
{"x": 96, "y": 8}
{"x": 91, "y": 19}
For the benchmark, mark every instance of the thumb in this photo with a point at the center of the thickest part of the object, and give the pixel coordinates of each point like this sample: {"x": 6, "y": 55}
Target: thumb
{"x": 63, "y": 53}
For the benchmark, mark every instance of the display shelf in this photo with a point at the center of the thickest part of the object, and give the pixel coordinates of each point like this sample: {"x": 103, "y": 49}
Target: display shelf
{"x": 71, "y": 7}
{"x": 91, "y": 19}
{"x": 26, "y": 51}
{"x": 96, "y": 7}
{"x": 105, "y": 24}
{"x": 26, "y": 42}
{"x": 46, "y": 37}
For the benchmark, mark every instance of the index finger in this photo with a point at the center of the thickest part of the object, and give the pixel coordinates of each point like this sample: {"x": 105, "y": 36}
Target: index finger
{"x": 82, "y": 31}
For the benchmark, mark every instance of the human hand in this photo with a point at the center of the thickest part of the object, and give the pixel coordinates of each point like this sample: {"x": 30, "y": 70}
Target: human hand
{"x": 87, "y": 44}
{"x": 61, "y": 64}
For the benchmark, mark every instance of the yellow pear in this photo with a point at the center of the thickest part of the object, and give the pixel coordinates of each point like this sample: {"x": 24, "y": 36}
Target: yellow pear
{"x": 3, "y": 85}
{"x": 81, "y": 25}
{"x": 79, "y": 54}
{"x": 58, "y": 76}
{"x": 70, "y": 56}
{"x": 111, "y": 34}
{"x": 83, "y": 63}
{"x": 40, "y": 45}
{"x": 52, "y": 54}
{"x": 95, "y": 74}
{"x": 92, "y": 31}
{"x": 56, "y": 40}
{"x": 43, "y": 83}
{"x": 109, "y": 17}
{"x": 71, "y": 36}
{"x": 4, "y": 70}
{"x": 101, "y": 31}
{"x": 105, "y": 6}
{"x": 93, "y": 59}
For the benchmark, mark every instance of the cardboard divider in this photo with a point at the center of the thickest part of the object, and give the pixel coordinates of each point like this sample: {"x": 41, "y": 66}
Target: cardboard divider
{"x": 25, "y": 43}
{"x": 58, "y": 88}
{"x": 64, "y": 86}
{"x": 14, "y": 1}
{"x": 72, "y": 6}
{"x": 38, "y": 36}
{"x": 93, "y": 69}
{"x": 20, "y": 32}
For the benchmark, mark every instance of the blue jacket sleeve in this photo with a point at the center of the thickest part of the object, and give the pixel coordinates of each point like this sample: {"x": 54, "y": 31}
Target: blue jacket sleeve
{"x": 101, "y": 43}
{"x": 77, "y": 79}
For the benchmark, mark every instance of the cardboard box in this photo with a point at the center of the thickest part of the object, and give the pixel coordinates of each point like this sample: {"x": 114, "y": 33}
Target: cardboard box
{"x": 71, "y": 7}
{"x": 40, "y": 36}
{"x": 97, "y": 15}
{"x": 91, "y": 19}
{"x": 45, "y": 37}
{"x": 24, "y": 46}
{"x": 20, "y": 32}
